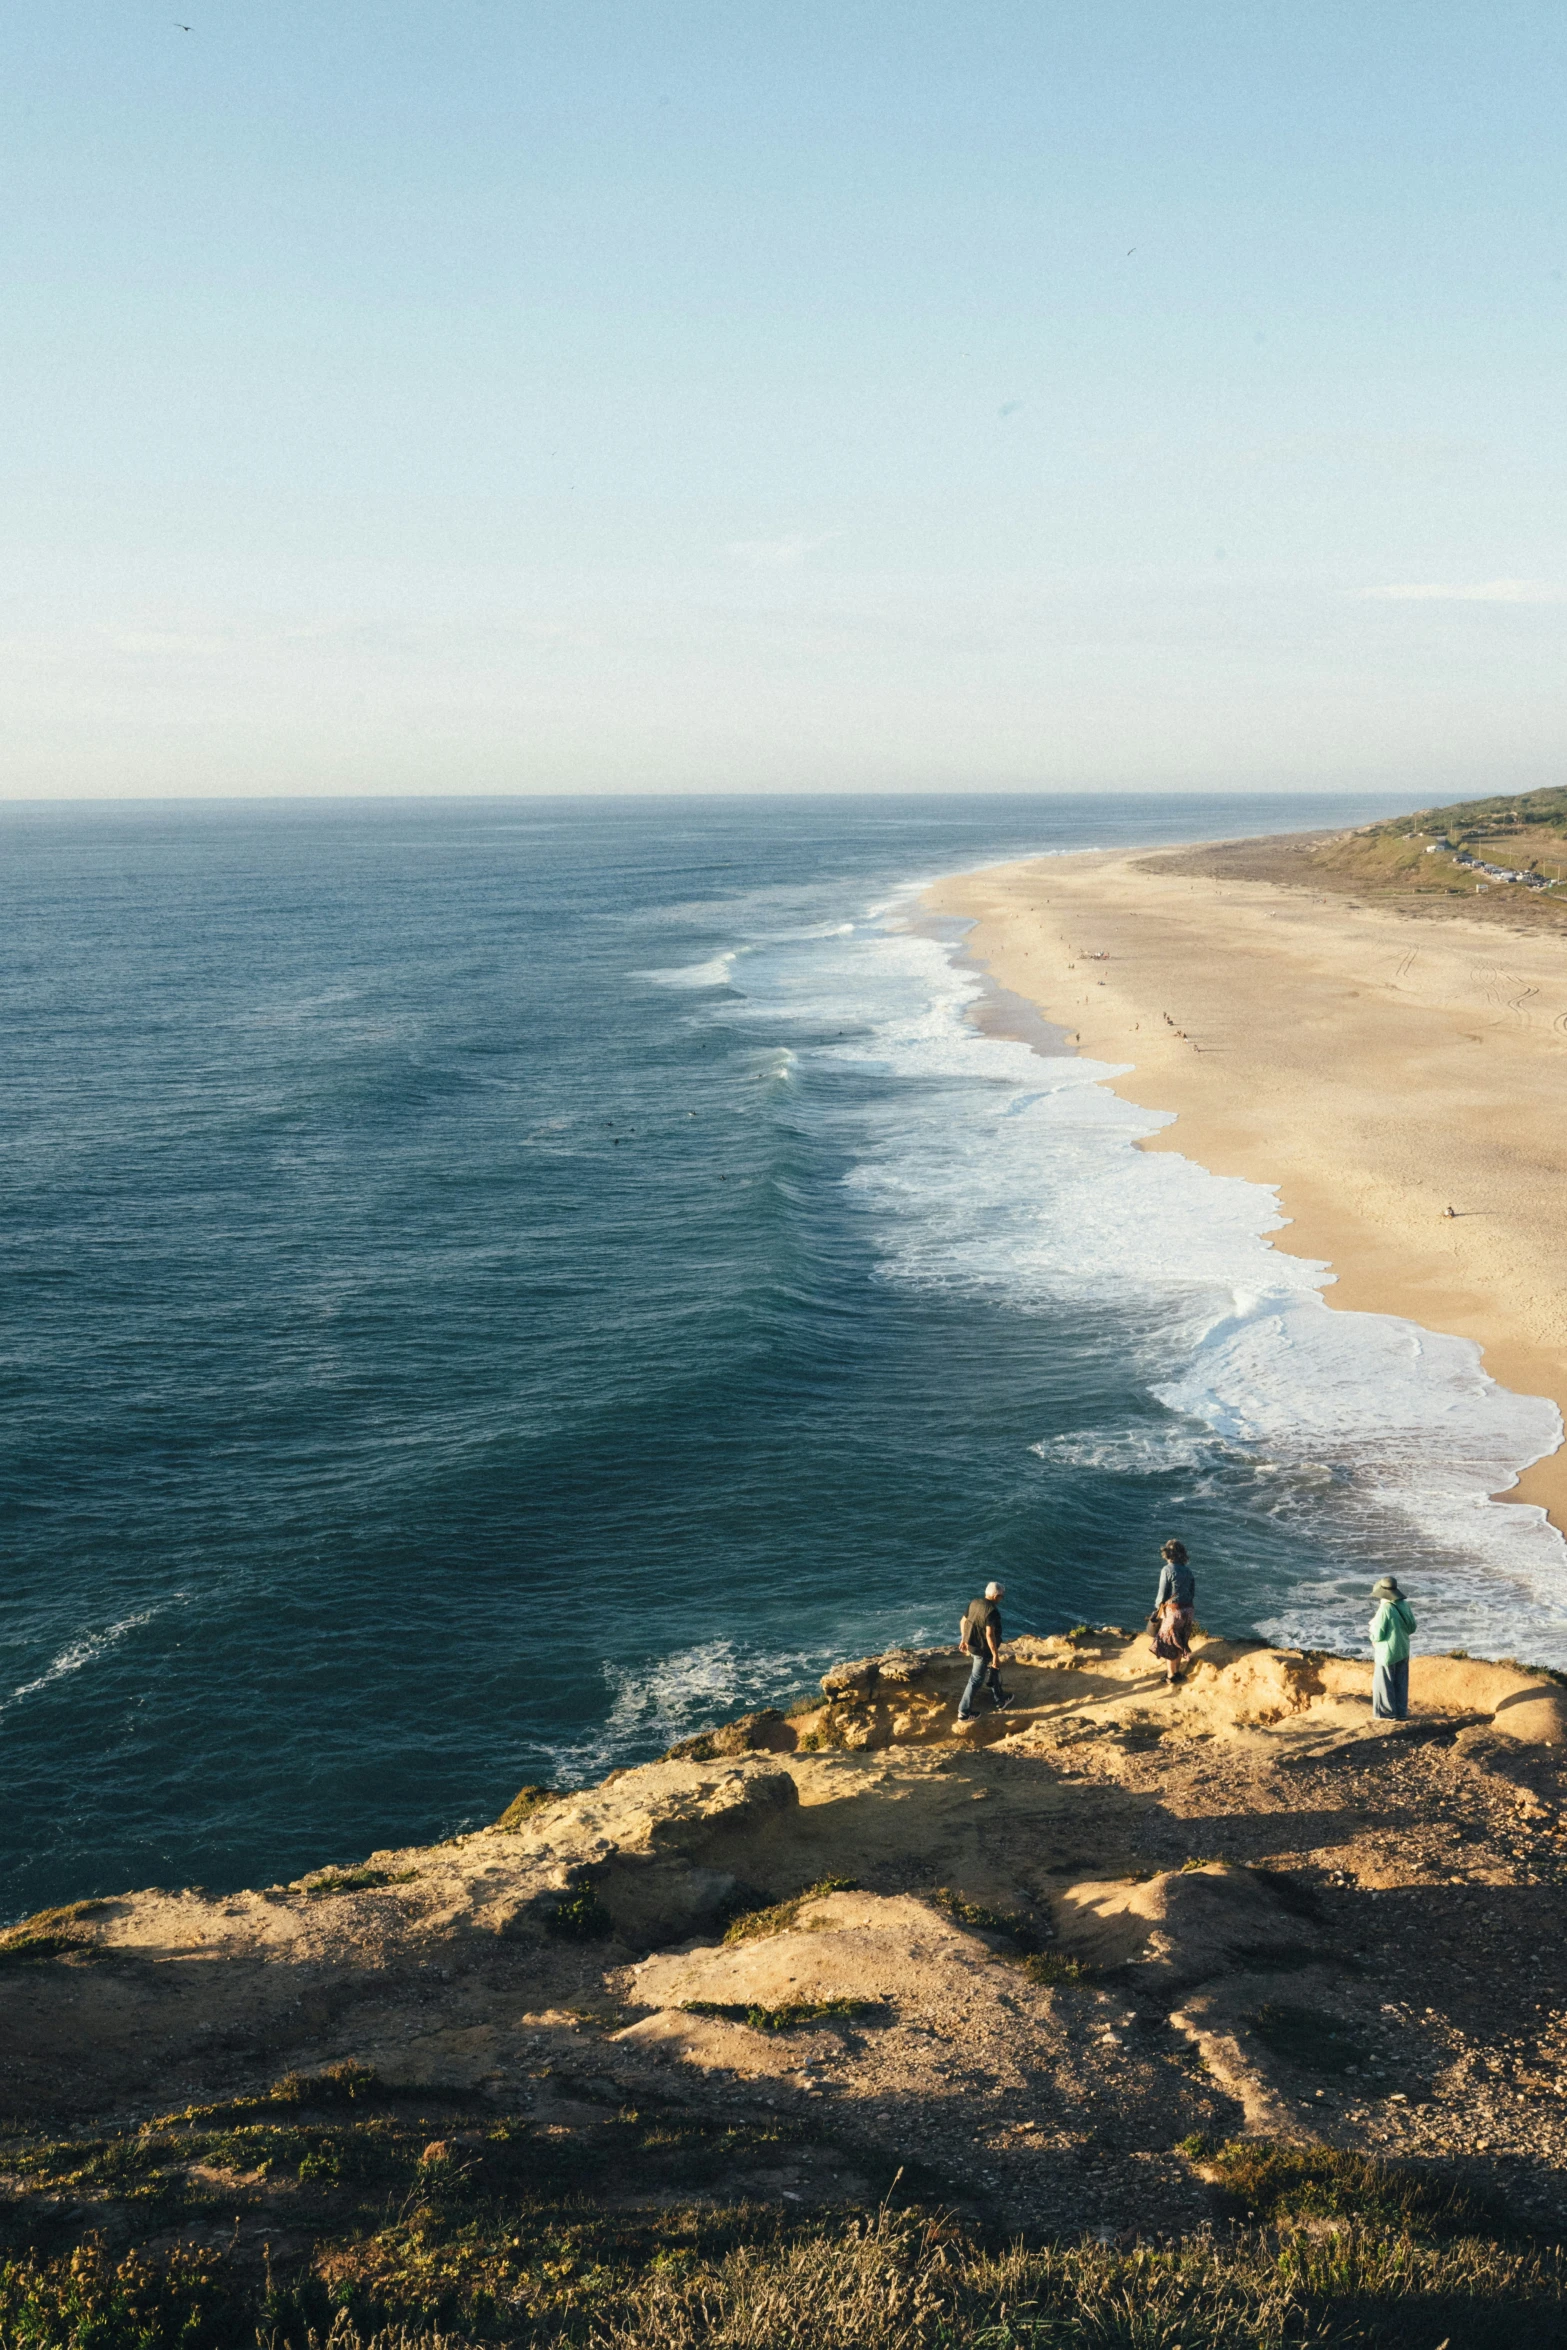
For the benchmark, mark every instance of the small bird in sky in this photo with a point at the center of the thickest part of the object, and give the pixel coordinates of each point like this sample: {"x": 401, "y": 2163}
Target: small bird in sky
{"x": 1130, "y": 250}
{"x": 180, "y": 28}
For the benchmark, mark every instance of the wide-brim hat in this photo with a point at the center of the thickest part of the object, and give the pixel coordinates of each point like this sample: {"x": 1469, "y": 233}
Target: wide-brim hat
{"x": 1386, "y": 1588}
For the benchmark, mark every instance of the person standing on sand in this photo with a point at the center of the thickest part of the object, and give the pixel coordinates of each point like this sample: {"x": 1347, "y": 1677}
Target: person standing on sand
{"x": 1174, "y": 1608}
{"x": 979, "y": 1636}
{"x": 1390, "y": 1630}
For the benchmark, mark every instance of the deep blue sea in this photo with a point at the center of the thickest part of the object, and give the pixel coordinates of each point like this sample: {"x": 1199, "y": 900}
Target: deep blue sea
{"x": 492, "y": 1286}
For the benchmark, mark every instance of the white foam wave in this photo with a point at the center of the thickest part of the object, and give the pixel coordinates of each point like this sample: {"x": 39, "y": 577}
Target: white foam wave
{"x": 656, "y": 1704}
{"x": 673, "y": 1697}
{"x": 992, "y": 1170}
{"x": 718, "y": 971}
{"x": 987, "y": 1168}
{"x": 1132, "y": 1452}
{"x": 78, "y": 1654}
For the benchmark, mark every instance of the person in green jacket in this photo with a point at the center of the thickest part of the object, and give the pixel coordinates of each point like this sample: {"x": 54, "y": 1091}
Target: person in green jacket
{"x": 1390, "y": 1630}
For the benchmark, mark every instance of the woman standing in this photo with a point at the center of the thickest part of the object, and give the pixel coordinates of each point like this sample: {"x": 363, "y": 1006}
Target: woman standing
{"x": 1174, "y": 1612}
{"x": 1390, "y": 1630}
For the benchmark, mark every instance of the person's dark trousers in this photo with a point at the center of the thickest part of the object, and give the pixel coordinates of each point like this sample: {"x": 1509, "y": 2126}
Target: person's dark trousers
{"x": 984, "y": 1671}
{"x": 1390, "y": 1691}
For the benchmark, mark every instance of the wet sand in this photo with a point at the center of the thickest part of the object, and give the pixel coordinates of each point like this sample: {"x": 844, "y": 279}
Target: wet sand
{"x": 1377, "y": 1069}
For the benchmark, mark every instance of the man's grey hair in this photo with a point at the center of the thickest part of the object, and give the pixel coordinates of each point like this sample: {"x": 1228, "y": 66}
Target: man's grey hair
{"x": 994, "y": 1590}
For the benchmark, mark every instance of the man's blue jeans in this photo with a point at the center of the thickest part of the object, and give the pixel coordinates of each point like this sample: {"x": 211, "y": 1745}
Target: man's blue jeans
{"x": 1390, "y": 1691}
{"x": 984, "y": 1671}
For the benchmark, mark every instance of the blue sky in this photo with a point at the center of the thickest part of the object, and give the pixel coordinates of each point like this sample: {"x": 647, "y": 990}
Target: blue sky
{"x": 713, "y": 397}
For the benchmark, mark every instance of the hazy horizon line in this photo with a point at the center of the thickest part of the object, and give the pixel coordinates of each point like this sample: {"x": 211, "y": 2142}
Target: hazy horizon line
{"x": 311, "y": 799}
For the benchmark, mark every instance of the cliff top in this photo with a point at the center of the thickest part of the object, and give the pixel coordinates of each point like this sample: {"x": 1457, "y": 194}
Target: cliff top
{"x": 1061, "y": 1974}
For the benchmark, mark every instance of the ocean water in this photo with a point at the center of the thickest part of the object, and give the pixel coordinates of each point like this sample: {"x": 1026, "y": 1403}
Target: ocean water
{"x": 493, "y": 1286}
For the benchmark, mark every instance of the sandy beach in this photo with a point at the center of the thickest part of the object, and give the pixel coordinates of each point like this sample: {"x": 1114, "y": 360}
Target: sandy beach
{"x": 1377, "y": 1068}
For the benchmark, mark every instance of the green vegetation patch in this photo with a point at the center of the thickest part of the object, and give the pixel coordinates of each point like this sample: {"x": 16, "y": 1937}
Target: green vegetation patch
{"x": 1271, "y": 2184}
{"x": 792, "y": 2018}
{"x": 347, "y": 2083}
{"x": 355, "y": 1881}
{"x": 33, "y": 1949}
{"x": 188, "y": 2299}
{"x": 525, "y": 1803}
{"x": 703, "y": 1747}
{"x": 838, "y": 1716}
{"x": 49, "y": 1933}
{"x": 742, "y": 1901}
{"x": 426, "y": 2211}
{"x": 1503, "y": 812}
{"x": 579, "y": 1916}
{"x": 779, "y": 1916}
{"x": 1048, "y": 1967}
{"x": 57, "y": 1921}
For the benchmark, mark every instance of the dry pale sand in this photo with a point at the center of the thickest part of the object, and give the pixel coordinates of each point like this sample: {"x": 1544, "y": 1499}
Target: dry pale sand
{"x": 1376, "y": 1068}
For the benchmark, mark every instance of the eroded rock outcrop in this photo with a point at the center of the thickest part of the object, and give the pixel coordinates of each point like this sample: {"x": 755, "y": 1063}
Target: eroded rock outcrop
{"x": 1108, "y": 1921}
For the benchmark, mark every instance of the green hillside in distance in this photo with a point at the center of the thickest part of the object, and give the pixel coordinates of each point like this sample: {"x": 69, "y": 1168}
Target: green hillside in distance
{"x": 1511, "y": 814}
{"x": 1470, "y": 848}
{"x": 1502, "y": 859}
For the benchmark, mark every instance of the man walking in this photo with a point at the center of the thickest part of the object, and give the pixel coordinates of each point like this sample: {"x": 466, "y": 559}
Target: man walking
{"x": 979, "y": 1637}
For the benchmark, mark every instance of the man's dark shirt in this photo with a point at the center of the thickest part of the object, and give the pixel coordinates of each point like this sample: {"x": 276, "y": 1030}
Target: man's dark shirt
{"x": 979, "y": 1614}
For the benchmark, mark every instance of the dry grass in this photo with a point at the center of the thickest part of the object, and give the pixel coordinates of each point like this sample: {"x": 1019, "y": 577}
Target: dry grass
{"x": 345, "y": 2335}
{"x": 897, "y": 2282}
{"x": 883, "y": 2281}
{"x": 893, "y": 2283}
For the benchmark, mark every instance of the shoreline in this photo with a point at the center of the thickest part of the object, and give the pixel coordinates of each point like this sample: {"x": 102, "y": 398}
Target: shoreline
{"x": 1326, "y": 1049}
